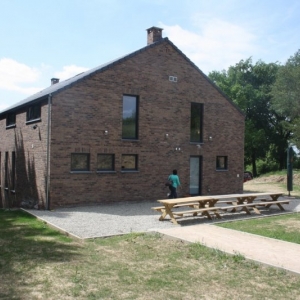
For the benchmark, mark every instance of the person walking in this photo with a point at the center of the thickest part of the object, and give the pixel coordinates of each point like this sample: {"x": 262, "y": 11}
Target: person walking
{"x": 175, "y": 183}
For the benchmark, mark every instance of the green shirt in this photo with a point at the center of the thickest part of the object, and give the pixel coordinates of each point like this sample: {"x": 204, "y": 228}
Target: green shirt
{"x": 175, "y": 180}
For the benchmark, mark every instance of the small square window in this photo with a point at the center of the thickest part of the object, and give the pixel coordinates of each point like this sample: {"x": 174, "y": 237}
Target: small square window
{"x": 105, "y": 162}
{"x": 221, "y": 163}
{"x": 10, "y": 119}
{"x": 80, "y": 162}
{"x": 129, "y": 162}
{"x": 34, "y": 112}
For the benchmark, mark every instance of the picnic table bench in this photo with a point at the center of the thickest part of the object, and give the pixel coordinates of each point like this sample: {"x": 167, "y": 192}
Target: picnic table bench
{"x": 205, "y": 205}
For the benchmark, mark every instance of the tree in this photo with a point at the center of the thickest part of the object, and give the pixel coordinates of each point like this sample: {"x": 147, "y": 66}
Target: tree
{"x": 286, "y": 96}
{"x": 249, "y": 86}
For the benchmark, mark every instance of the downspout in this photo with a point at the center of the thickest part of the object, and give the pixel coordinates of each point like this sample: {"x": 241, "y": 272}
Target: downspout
{"x": 48, "y": 152}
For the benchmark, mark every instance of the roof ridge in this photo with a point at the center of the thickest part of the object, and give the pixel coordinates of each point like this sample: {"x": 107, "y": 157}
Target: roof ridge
{"x": 60, "y": 86}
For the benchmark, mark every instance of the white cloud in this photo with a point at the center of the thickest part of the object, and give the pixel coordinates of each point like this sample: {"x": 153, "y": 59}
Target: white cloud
{"x": 14, "y": 74}
{"x": 3, "y": 106}
{"x": 18, "y": 79}
{"x": 69, "y": 71}
{"x": 217, "y": 46}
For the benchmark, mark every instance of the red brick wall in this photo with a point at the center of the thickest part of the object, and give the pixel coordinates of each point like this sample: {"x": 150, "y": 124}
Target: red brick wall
{"x": 30, "y": 147}
{"x": 81, "y": 113}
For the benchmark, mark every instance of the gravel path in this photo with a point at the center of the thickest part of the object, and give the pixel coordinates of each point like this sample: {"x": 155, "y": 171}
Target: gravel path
{"x": 121, "y": 218}
{"x": 104, "y": 220}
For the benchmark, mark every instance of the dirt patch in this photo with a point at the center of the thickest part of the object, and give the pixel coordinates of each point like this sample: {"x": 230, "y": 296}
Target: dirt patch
{"x": 289, "y": 225}
{"x": 272, "y": 183}
{"x": 276, "y": 179}
{"x": 264, "y": 188}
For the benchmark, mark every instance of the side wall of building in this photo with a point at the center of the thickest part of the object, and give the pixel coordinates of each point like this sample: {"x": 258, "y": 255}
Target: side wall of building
{"x": 23, "y": 159}
{"x": 83, "y": 112}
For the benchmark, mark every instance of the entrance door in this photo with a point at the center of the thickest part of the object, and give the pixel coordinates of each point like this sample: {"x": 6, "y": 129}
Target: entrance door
{"x": 195, "y": 175}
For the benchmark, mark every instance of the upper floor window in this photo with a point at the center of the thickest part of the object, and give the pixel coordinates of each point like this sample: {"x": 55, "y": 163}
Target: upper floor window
{"x": 34, "y": 112}
{"x": 105, "y": 162}
{"x": 80, "y": 162}
{"x": 130, "y": 117}
{"x": 221, "y": 163}
{"x": 129, "y": 162}
{"x": 11, "y": 119}
{"x": 196, "y": 130}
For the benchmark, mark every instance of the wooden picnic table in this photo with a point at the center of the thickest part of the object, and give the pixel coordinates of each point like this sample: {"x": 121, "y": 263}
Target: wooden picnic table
{"x": 195, "y": 202}
{"x": 208, "y": 204}
{"x": 248, "y": 197}
{"x": 240, "y": 201}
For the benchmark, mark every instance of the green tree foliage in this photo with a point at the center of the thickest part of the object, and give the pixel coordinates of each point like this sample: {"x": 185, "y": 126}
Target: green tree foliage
{"x": 249, "y": 86}
{"x": 286, "y": 96}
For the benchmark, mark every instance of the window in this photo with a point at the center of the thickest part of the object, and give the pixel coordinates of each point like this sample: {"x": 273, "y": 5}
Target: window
{"x": 13, "y": 170}
{"x": 196, "y": 122}
{"x": 105, "y": 162}
{"x": 130, "y": 117}
{"x": 34, "y": 112}
{"x": 129, "y": 162}
{"x": 6, "y": 171}
{"x": 10, "y": 120}
{"x": 80, "y": 162}
{"x": 221, "y": 163}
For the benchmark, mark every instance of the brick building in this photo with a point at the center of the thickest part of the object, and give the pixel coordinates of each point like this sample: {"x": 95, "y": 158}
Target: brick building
{"x": 115, "y": 132}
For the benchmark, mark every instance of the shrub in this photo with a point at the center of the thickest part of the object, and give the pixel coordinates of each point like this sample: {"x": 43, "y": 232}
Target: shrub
{"x": 266, "y": 166}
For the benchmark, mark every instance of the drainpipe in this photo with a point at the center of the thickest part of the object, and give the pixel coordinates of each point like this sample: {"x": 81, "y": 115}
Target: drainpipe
{"x": 48, "y": 152}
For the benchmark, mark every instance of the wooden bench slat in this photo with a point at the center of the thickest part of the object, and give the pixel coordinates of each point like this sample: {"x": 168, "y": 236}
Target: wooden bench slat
{"x": 185, "y": 204}
{"x": 265, "y": 203}
{"x": 216, "y": 208}
{"x": 177, "y": 205}
{"x": 227, "y": 201}
{"x": 191, "y": 211}
{"x": 158, "y": 207}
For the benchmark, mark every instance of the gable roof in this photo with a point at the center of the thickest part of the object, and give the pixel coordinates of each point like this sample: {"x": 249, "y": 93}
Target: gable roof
{"x": 57, "y": 87}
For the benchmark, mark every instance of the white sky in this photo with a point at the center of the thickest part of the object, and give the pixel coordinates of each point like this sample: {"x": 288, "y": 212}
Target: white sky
{"x": 41, "y": 39}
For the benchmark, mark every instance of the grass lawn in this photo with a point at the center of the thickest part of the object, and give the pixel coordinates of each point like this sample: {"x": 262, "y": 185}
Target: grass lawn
{"x": 285, "y": 227}
{"x": 37, "y": 262}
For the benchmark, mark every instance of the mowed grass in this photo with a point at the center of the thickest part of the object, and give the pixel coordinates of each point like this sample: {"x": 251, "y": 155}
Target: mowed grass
{"x": 284, "y": 227}
{"x": 37, "y": 262}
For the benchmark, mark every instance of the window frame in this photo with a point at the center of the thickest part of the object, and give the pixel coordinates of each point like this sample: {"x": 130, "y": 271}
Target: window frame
{"x": 11, "y": 123}
{"x": 136, "y": 127}
{"x": 106, "y": 170}
{"x": 0, "y": 170}
{"x": 81, "y": 170}
{"x": 13, "y": 172}
{"x": 136, "y": 165}
{"x": 6, "y": 171}
{"x": 218, "y": 167}
{"x": 32, "y": 115}
{"x": 200, "y": 109}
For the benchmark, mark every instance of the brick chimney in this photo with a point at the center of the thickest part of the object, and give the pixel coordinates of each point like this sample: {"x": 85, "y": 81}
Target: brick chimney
{"x": 54, "y": 80}
{"x": 154, "y": 34}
